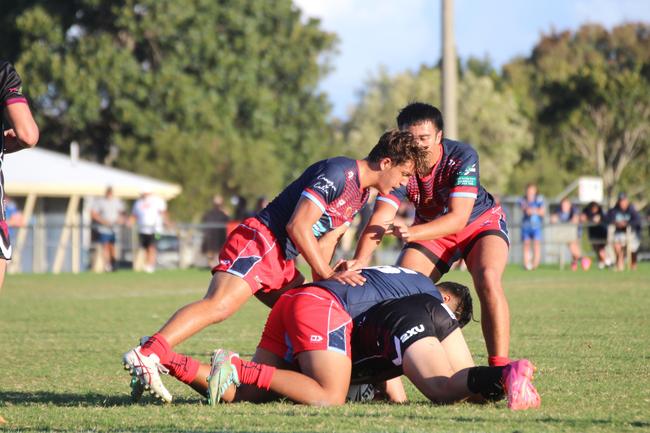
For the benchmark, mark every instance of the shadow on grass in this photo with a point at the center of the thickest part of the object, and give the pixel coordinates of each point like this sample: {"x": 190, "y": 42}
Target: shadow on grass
{"x": 77, "y": 400}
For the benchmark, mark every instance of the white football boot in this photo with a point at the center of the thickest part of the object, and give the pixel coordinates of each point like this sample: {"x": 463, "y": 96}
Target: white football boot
{"x": 146, "y": 369}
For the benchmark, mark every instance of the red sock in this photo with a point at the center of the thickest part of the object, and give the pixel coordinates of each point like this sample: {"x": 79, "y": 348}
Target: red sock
{"x": 252, "y": 373}
{"x": 498, "y": 361}
{"x": 183, "y": 367}
{"x": 157, "y": 344}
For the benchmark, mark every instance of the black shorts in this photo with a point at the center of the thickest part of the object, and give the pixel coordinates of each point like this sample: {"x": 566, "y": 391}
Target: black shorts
{"x": 146, "y": 240}
{"x": 382, "y": 334}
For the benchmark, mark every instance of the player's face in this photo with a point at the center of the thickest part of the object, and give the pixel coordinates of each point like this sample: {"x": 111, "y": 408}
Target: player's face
{"x": 428, "y": 137}
{"x": 394, "y": 176}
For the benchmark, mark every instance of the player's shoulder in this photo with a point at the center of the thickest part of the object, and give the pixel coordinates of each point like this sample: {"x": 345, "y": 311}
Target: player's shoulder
{"x": 458, "y": 148}
{"x": 7, "y": 71}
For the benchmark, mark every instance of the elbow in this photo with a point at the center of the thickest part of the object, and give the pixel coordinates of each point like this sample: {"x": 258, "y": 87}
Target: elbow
{"x": 29, "y": 137}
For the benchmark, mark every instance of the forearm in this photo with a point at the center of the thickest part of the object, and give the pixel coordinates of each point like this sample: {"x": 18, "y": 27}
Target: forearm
{"x": 443, "y": 226}
{"x": 310, "y": 249}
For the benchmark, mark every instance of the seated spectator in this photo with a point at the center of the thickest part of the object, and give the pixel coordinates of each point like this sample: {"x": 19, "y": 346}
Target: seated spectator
{"x": 568, "y": 214}
{"x": 593, "y": 217}
{"x": 627, "y": 230}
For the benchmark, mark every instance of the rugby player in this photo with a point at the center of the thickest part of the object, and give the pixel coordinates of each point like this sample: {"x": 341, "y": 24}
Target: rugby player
{"x": 455, "y": 218}
{"x": 401, "y": 325}
{"x": 258, "y": 256}
{"x": 21, "y": 133}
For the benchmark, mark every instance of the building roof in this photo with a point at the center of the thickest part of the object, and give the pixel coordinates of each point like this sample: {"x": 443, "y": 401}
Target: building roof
{"x": 53, "y": 174}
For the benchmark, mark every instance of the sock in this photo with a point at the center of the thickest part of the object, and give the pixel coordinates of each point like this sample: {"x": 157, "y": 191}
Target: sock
{"x": 157, "y": 344}
{"x": 498, "y": 361}
{"x": 252, "y": 373}
{"x": 486, "y": 381}
{"x": 183, "y": 367}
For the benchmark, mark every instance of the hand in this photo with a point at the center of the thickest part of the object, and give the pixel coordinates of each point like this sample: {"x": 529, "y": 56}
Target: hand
{"x": 352, "y": 278}
{"x": 348, "y": 265}
{"x": 401, "y": 232}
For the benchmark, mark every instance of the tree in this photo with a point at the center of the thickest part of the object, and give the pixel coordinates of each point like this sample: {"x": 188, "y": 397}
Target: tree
{"x": 588, "y": 96}
{"x": 489, "y": 118}
{"x": 214, "y": 95}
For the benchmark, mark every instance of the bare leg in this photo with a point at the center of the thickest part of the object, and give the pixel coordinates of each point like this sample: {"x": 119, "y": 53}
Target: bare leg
{"x": 486, "y": 262}
{"x": 427, "y": 366}
{"x": 415, "y": 260}
{"x": 226, "y": 294}
{"x": 537, "y": 256}
{"x": 3, "y": 269}
{"x": 528, "y": 264}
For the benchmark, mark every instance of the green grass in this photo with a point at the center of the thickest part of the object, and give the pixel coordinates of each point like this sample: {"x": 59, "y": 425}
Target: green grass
{"x": 61, "y": 339}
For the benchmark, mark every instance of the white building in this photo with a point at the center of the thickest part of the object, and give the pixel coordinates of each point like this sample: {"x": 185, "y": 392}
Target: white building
{"x": 55, "y": 193}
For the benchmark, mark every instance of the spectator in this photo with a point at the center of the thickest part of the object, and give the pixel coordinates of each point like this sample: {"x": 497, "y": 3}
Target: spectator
{"x": 13, "y": 216}
{"x": 214, "y": 232}
{"x": 150, "y": 213}
{"x": 107, "y": 213}
{"x": 627, "y": 230}
{"x": 568, "y": 214}
{"x": 532, "y": 206}
{"x": 241, "y": 208}
{"x": 261, "y": 203}
{"x": 594, "y": 217}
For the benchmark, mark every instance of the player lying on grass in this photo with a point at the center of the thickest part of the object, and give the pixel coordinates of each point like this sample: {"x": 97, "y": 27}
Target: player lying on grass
{"x": 305, "y": 354}
{"x": 258, "y": 256}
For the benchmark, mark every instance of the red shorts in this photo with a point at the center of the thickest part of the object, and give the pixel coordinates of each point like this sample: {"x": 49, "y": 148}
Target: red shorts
{"x": 443, "y": 252}
{"x": 251, "y": 252}
{"x": 304, "y": 319}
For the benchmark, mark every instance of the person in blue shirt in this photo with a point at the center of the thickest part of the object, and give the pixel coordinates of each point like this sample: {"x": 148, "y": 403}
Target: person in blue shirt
{"x": 533, "y": 208}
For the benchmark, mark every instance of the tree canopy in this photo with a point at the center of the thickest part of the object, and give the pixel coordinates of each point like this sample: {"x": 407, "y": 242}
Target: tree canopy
{"x": 215, "y": 95}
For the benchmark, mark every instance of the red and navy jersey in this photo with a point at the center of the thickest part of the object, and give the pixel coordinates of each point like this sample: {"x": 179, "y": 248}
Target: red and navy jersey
{"x": 333, "y": 185}
{"x": 382, "y": 283}
{"x": 10, "y": 93}
{"x": 456, "y": 174}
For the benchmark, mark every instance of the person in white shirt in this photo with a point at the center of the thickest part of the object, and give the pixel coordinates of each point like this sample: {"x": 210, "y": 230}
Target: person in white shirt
{"x": 150, "y": 214}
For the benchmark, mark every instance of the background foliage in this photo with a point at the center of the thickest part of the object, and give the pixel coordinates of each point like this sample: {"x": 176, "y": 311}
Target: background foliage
{"x": 222, "y": 96}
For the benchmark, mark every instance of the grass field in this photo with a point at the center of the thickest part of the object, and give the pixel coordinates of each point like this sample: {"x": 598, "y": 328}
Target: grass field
{"x": 61, "y": 339}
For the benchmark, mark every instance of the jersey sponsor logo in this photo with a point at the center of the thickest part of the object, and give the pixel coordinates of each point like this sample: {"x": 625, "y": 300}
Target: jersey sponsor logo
{"x": 469, "y": 170}
{"x": 466, "y": 181}
{"x": 350, "y": 174}
{"x": 315, "y": 338}
{"x": 411, "y": 332}
{"x": 340, "y": 203}
{"x": 324, "y": 184}
{"x": 226, "y": 262}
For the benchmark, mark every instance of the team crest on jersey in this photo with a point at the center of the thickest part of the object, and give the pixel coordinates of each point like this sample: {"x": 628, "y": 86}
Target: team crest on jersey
{"x": 349, "y": 213}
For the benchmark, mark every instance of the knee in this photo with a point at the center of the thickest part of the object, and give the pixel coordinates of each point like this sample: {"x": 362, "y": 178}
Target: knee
{"x": 488, "y": 283}
{"x": 217, "y": 310}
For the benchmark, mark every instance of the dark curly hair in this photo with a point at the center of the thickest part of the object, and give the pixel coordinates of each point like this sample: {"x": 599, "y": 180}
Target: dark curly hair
{"x": 401, "y": 147}
{"x": 464, "y": 311}
{"x": 417, "y": 112}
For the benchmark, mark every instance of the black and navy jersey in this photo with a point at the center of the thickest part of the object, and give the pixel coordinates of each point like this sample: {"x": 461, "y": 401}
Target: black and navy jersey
{"x": 382, "y": 283}
{"x": 333, "y": 185}
{"x": 11, "y": 92}
{"x": 456, "y": 174}
{"x": 381, "y": 335}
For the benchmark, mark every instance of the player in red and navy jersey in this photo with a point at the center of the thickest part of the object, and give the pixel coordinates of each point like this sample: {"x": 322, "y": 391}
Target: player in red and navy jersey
{"x": 308, "y": 348}
{"x": 455, "y": 217}
{"x": 258, "y": 256}
{"x": 20, "y": 133}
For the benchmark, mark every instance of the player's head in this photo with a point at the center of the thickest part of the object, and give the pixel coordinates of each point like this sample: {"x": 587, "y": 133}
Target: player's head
{"x": 458, "y": 299}
{"x": 424, "y": 121}
{"x": 419, "y": 112}
{"x": 398, "y": 149}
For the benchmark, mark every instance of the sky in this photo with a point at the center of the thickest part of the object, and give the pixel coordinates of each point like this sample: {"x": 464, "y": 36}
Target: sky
{"x": 402, "y": 35}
